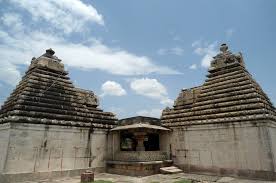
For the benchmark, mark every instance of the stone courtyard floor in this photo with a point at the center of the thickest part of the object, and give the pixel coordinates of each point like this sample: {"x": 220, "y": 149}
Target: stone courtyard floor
{"x": 158, "y": 178}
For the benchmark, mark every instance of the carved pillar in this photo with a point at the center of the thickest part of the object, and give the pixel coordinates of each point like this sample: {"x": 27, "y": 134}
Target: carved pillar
{"x": 140, "y": 137}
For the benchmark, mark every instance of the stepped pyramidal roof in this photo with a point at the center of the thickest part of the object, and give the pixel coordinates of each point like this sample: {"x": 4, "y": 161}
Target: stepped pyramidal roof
{"x": 45, "y": 95}
{"x": 229, "y": 94}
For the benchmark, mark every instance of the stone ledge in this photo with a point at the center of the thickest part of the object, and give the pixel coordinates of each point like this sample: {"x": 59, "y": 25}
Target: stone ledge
{"x": 134, "y": 163}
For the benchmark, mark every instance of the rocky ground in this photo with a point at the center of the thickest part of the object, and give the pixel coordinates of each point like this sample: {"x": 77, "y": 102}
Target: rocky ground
{"x": 158, "y": 178}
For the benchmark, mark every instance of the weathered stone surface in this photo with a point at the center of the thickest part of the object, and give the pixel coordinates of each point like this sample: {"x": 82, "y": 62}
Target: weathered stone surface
{"x": 46, "y": 95}
{"x": 34, "y": 148}
{"x": 226, "y": 126}
{"x": 229, "y": 94}
{"x": 50, "y": 128}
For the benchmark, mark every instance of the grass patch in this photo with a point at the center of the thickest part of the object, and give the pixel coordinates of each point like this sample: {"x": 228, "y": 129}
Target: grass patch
{"x": 101, "y": 181}
{"x": 183, "y": 181}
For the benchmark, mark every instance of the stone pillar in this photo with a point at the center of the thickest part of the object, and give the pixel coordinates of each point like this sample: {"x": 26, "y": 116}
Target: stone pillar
{"x": 140, "y": 137}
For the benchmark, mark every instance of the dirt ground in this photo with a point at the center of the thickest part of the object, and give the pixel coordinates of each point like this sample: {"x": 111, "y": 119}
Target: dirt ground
{"x": 158, "y": 178}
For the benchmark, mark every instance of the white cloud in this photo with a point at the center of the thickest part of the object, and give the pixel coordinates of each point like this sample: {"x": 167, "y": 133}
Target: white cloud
{"x": 171, "y": 51}
{"x": 68, "y": 15}
{"x": 151, "y": 88}
{"x": 206, "y": 60}
{"x": 13, "y": 21}
{"x": 95, "y": 55}
{"x": 112, "y": 88}
{"x": 9, "y": 73}
{"x": 114, "y": 61}
{"x": 151, "y": 113}
{"x": 208, "y": 51}
{"x": 20, "y": 42}
{"x": 193, "y": 67}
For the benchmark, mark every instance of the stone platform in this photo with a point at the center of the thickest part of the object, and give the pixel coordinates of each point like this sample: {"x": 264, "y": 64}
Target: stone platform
{"x": 138, "y": 163}
{"x": 142, "y": 168}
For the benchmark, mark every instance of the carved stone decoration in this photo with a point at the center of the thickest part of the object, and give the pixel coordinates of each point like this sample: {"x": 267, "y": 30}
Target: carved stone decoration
{"x": 225, "y": 57}
{"x": 48, "y": 60}
{"x": 87, "y": 97}
{"x": 50, "y": 54}
{"x": 91, "y": 99}
{"x": 187, "y": 96}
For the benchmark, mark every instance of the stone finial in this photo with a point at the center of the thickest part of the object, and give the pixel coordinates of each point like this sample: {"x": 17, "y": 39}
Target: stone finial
{"x": 223, "y": 48}
{"x": 50, "y": 54}
{"x": 48, "y": 59}
{"x": 225, "y": 57}
{"x": 50, "y": 51}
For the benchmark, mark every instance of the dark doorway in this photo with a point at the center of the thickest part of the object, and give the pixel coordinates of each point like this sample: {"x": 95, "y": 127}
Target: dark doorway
{"x": 152, "y": 142}
{"x": 128, "y": 142}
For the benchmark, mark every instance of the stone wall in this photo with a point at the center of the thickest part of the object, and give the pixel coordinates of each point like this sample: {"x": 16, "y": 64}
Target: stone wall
{"x": 4, "y": 141}
{"x": 48, "y": 148}
{"x": 272, "y": 139}
{"x": 237, "y": 149}
{"x": 164, "y": 139}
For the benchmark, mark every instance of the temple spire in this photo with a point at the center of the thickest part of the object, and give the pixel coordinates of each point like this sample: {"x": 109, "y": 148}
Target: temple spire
{"x": 50, "y": 52}
{"x": 225, "y": 58}
{"x": 223, "y": 48}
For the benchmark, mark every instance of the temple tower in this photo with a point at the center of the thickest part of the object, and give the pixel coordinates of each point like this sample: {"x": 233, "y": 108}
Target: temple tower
{"x": 227, "y": 125}
{"x": 50, "y": 128}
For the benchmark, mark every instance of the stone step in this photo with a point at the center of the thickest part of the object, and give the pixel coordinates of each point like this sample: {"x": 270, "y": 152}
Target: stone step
{"x": 170, "y": 170}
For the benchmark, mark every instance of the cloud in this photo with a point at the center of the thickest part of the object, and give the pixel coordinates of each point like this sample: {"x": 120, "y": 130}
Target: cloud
{"x": 9, "y": 73}
{"x": 193, "y": 67}
{"x": 206, "y": 60}
{"x": 151, "y": 88}
{"x": 19, "y": 41}
{"x": 171, "y": 51}
{"x": 151, "y": 113}
{"x": 13, "y": 21}
{"x": 206, "y": 50}
{"x": 112, "y": 88}
{"x": 67, "y": 15}
{"x": 95, "y": 55}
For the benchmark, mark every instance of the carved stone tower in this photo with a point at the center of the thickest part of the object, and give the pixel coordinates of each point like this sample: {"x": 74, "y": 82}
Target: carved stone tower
{"x": 225, "y": 126}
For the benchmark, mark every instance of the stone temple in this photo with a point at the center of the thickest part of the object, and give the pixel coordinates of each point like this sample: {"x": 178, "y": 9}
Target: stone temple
{"x": 49, "y": 128}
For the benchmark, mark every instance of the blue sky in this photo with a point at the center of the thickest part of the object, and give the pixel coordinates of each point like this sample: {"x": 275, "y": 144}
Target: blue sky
{"x": 137, "y": 55}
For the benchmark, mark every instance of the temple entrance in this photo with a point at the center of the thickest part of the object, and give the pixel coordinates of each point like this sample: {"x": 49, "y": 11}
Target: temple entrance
{"x": 151, "y": 142}
{"x": 128, "y": 142}
{"x": 147, "y": 141}
{"x": 138, "y": 148}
